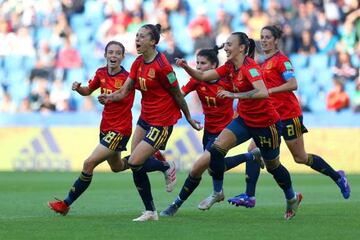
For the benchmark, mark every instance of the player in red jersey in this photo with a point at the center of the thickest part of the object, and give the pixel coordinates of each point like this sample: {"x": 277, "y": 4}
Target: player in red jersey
{"x": 115, "y": 127}
{"x": 218, "y": 114}
{"x": 257, "y": 120}
{"x": 161, "y": 103}
{"x": 279, "y": 75}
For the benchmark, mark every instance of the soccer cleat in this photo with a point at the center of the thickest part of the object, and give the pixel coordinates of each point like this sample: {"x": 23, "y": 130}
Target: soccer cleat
{"x": 292, "y": 206}
{"x": 159, "y": 156}
{"x": 170, "y": 177}
{"x": 258, "y": 158}
{"x": 209, "y": 201}
{"x": 344, "y": 185}
{"x": 147, "y": 216}
{"x": 59, "y": 206}
{"x": 169, "y": 211}
{"x": 243, "y": 200}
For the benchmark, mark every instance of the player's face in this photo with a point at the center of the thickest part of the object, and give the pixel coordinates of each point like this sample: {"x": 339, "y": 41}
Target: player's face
{"x": 143, "y": 40}
{"x": 114, "y": 56}
{"x": 203, "y": 64}
{"x": 267, "y": 41}
{"x": 233, "y": 48}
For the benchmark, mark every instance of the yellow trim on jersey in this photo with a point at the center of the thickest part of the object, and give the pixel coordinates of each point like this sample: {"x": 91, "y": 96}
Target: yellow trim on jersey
{"x": 274, "y": 135}
{"x": 297, "y": 126}
{"x": 115, "y": 142}
{"x": 162, "y": 137}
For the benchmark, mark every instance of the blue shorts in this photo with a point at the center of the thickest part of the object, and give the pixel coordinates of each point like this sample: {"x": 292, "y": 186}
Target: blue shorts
{"x": 266, "y": 139}
{"x": 208, "y": 139}
{"x": 293, "y": 128}
{"x": 114, "y": 141}
{"x": 156, "y": 136}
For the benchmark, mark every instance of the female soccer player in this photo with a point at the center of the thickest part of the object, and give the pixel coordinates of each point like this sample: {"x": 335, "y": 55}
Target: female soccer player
{"x": 161, "y": 102}
{"x": 115, "y": 127}
{"x": 257, "y": 119}
{"x": 280, "y": 78}
{"x": 218, "y": 114}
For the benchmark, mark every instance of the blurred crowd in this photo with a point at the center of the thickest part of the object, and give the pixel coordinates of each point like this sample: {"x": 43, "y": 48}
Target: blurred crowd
{"x": 48, "y": 44}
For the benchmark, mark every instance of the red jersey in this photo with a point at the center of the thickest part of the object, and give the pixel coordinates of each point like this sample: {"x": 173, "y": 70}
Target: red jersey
{"x": 154, "y": 79}
{"x": 218, "y": 111}
{"x": 286, "y": 103}
{"x": 116, "y": 116}
{"x": 257, "y": 113}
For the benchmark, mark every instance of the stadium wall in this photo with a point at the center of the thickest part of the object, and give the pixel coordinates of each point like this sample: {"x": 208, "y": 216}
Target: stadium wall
{"x": 68, "y": 140}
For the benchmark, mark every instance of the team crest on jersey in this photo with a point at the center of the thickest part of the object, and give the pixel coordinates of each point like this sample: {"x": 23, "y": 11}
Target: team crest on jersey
{"x": 268, "y": 65}
{"x": 118, "y": 83}
{"x": 102, "y": 80}
{"x": 151, "y": 73}
{"x": 203, "y": 88}
{"x": 239, "y": 77}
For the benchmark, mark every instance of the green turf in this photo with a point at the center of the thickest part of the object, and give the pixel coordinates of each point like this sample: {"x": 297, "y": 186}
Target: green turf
{"x": 106, "y": 209}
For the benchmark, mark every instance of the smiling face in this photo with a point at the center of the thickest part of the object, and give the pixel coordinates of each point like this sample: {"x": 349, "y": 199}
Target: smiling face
{"x": 233, "y": 48}
{"x": 267, "y": 41}
{"x": 144, "y": 40}
{"x": 203, "y": 63}
{"x": 114, "y": 55}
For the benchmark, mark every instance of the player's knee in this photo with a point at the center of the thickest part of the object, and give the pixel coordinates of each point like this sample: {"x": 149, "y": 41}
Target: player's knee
{"x": 272, "y": 164}
{"x": 88, "y": 165}
{"x": 217, "y": 152}
{"x": 135, "y": 168}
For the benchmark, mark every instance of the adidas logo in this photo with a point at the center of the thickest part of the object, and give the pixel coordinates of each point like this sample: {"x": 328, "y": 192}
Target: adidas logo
{"x": 43, "y": 154}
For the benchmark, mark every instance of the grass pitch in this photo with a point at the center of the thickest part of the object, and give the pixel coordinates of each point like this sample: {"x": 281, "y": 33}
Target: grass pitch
{"x": 106, "y": 209}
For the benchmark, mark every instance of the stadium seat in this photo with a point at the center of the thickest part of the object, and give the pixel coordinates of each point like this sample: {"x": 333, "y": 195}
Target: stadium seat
{"x": 318, "y": 62}
{"x": 299, "y": 61}
{"x": 75, "y": 74}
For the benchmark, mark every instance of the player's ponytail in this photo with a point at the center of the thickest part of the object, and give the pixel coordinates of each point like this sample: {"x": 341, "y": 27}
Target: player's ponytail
{"x": 251, "y": 48}
{"x": 248, "y": 42}
{"x": 155, "y": 31}
{"x": 211, "y": 54}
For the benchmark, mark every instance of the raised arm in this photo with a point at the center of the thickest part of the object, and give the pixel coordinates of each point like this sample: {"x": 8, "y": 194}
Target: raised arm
{"x": 180, "y": 101}
{"x": 119, "y": 94}
{"x": 259, "y": 91}
{"x": 205, "y": 76}
{"x": 289, "y": 86}
{"x": 83, "y": 91}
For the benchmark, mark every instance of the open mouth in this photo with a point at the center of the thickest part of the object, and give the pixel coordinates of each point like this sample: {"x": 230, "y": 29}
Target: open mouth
{"x": 113, "y": 61}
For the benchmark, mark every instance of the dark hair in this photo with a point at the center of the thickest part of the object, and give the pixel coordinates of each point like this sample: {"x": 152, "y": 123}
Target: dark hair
{"x": 155, "y": 31}
{"x": 211, "y": 54}
{"x": 275, "y": 31}
{"x": 115, "y": 43}
{"x": 248, "y": 42}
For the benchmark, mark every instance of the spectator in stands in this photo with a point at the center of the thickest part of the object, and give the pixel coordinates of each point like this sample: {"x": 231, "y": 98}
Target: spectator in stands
{"x": 307, "y": 44}
{"x": 172, "y": 51}
{"x": 258, "y": 19}
{"x": 7, "y": 105}
{"x": 68, "y": 57}
{"x": 25, "y": 106}
{"x": 200, "y": 30}
{"x": 59, "y": 95}
{"x": 46, "y": 105}
{"x": 343, "y": 67}
{"x": 337, "y": 99}
{"x": 45, "y": 62}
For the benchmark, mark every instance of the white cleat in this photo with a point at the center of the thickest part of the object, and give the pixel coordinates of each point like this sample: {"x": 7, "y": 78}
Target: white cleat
{"x": 170, "y": 177}
{"x": 209, "y": 201}
{"x": 147, "y": 216}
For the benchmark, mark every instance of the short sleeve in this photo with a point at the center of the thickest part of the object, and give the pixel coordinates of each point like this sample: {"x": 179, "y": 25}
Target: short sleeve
{"x": 252, "y": 73}
{"x": 95, "y": 82}
{"x": 189, "y": 86}
{"x": 223, "y": 70}
{"x": 167, "y": 77}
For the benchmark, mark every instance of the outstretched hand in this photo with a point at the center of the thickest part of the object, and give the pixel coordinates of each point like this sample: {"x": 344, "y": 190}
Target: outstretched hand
{"x": 104, "y": 98}
{"x": 195, "y": 124}
{"x": 224, "y": 94}
{"x": 75, "y": 86}
{"x": 180, "y": 62}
